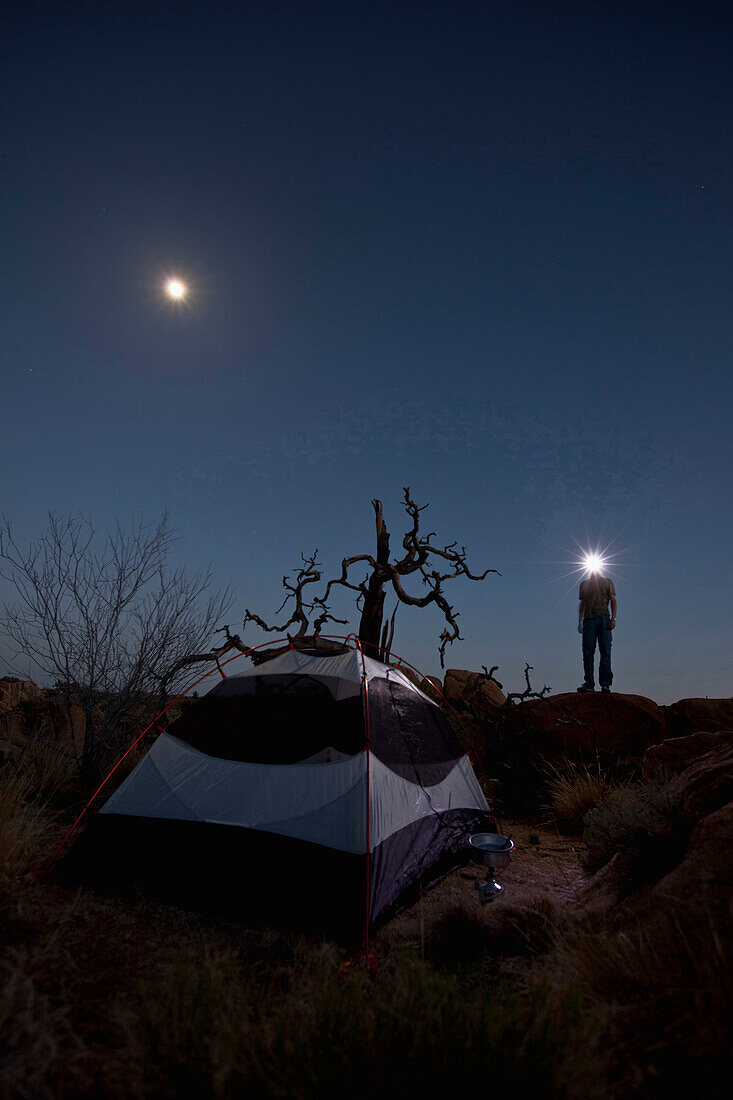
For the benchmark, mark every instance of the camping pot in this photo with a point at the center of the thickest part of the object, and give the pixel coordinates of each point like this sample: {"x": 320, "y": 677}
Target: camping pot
{"x": 491, "y": 849}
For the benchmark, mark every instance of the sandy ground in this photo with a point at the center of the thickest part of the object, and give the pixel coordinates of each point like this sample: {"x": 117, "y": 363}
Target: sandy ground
{"x": 544, "y": 864}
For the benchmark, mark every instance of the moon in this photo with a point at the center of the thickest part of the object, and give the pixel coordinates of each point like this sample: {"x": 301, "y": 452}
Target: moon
{"x": 176, "y": 289}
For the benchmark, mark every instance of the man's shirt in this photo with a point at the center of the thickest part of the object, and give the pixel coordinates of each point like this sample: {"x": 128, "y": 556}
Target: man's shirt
{"x": 595, "y": 592}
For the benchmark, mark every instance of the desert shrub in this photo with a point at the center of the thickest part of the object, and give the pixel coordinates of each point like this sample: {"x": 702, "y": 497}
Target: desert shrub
{"x": 663, "y": 990}
{"x": 646, "y": 823}
{"x": 573, "y": 790}
{"x": 326, "y": 1030}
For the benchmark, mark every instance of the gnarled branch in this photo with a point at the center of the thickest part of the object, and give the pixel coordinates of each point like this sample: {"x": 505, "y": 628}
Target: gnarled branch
{"x": 308, "y": 573}
{"x": 418, "y": 557}
{"x": 528, "y": 693}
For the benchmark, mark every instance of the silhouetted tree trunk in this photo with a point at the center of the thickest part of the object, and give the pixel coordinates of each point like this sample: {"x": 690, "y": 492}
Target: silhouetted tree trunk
{"x": 372, "y": 614}
{"x": 420, "y": 556}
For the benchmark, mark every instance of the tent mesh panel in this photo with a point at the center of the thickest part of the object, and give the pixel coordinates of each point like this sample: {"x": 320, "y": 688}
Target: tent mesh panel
{"x": 273, "y": 720}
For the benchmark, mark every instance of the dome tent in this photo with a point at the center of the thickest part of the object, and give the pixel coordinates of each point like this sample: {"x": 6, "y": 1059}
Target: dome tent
{"x": 321, "y": 780}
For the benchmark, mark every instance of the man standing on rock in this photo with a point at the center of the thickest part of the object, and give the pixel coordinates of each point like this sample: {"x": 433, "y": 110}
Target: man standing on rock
{"x": 595, "y": 624}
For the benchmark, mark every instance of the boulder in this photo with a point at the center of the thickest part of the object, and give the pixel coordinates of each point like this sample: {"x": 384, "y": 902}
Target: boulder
{"x": 427, "y": 684}
{"x": 691, "y": 715}
{"x": 14, "y": 692}
{"x": 575, "y": 725}
{"x": 707, "y": 784}
{"x": 460, "y": 687}
{"x": 672, "y": 756}
{"x": 607, "y": 887}
{"x": 433, "y": 688}
{"x": 471, "y": 733}
{"x": 705, "y": 875}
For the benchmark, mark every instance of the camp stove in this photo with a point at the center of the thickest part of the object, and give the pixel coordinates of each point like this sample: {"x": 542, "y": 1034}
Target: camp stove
{"x": 493, "y": 851}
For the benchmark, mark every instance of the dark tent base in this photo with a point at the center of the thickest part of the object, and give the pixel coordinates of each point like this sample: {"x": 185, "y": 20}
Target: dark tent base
{"x": 264, "y": 879}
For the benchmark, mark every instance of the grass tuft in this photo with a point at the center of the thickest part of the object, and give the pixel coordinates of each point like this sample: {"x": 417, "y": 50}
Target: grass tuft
{"x": 573, "y": 790}
{"x": 51, "y": 771}
{"x": 646, "y": 823}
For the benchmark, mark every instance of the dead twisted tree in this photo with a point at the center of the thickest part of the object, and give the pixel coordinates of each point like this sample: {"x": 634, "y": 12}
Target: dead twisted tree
{"x": 435, "y": 565}
{"x": 310, "y": 613}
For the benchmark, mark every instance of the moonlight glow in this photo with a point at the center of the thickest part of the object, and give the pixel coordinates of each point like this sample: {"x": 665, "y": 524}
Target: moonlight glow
{"x": 176, "y": 290}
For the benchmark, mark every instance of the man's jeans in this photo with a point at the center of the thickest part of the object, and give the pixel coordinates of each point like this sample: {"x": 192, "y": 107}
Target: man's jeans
{"x": 597, "y": 629}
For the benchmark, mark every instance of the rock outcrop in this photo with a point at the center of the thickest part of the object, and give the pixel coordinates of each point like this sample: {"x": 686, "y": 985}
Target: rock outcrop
{"x": 693, "y": 715}
{"x": 13, "y": 693}
{"x": 576, "y": 726}
{"x": 461, "y": 686}
{"x": 29, "y": 711}
{"x": 673, "y": 755}
{"x": 429, "y": 685}
{"x": 705, "y": 875}
{"x": 707, "y": 784}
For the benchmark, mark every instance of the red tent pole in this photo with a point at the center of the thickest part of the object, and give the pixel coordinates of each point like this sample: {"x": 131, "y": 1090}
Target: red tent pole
{"x": 54, "y": 857}
{"x": 368, "y": 866}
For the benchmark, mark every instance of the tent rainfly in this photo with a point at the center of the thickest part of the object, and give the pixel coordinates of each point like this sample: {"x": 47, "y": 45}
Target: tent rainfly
{"x": 321, "y": 782}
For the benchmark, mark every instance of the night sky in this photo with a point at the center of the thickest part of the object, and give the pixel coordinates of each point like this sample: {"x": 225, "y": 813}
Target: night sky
{"x": 481, "y": 249}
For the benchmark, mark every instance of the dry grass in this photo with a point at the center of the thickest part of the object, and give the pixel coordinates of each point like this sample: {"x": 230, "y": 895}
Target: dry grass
{"x": 52, "y": 772}
{"x": 663, "y": 988}
{"x": 39, "y": 1050}
{"x": 467, "y": 940}
{"x": 34, "y": 1033}
{"x": 124, "y": 998}
{"x": 27, "y": 1040}
{"x": 646, "y": 823}
{"x": 22, "y": 824}
{"x": 573, "y": 790}
{"x": 312, "y": 1026}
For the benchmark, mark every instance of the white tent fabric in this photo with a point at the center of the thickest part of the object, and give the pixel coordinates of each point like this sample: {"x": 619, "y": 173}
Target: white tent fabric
{"x": 321, "y": 803}
{"x": 342, "y": 671}
{"x": 395, "y": 802}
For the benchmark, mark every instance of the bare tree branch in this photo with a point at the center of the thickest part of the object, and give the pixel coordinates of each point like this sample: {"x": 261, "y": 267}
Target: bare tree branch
{"x": 104, "y": 615}
{"x": 420, "y": 556}
{"x": 308, "y": 573}
{"x": 528, "y": 693}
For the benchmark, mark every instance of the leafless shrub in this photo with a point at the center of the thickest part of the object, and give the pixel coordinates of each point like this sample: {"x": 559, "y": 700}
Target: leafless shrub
{"x": 105, "y": 616}
{"x": 434, "y": 565}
